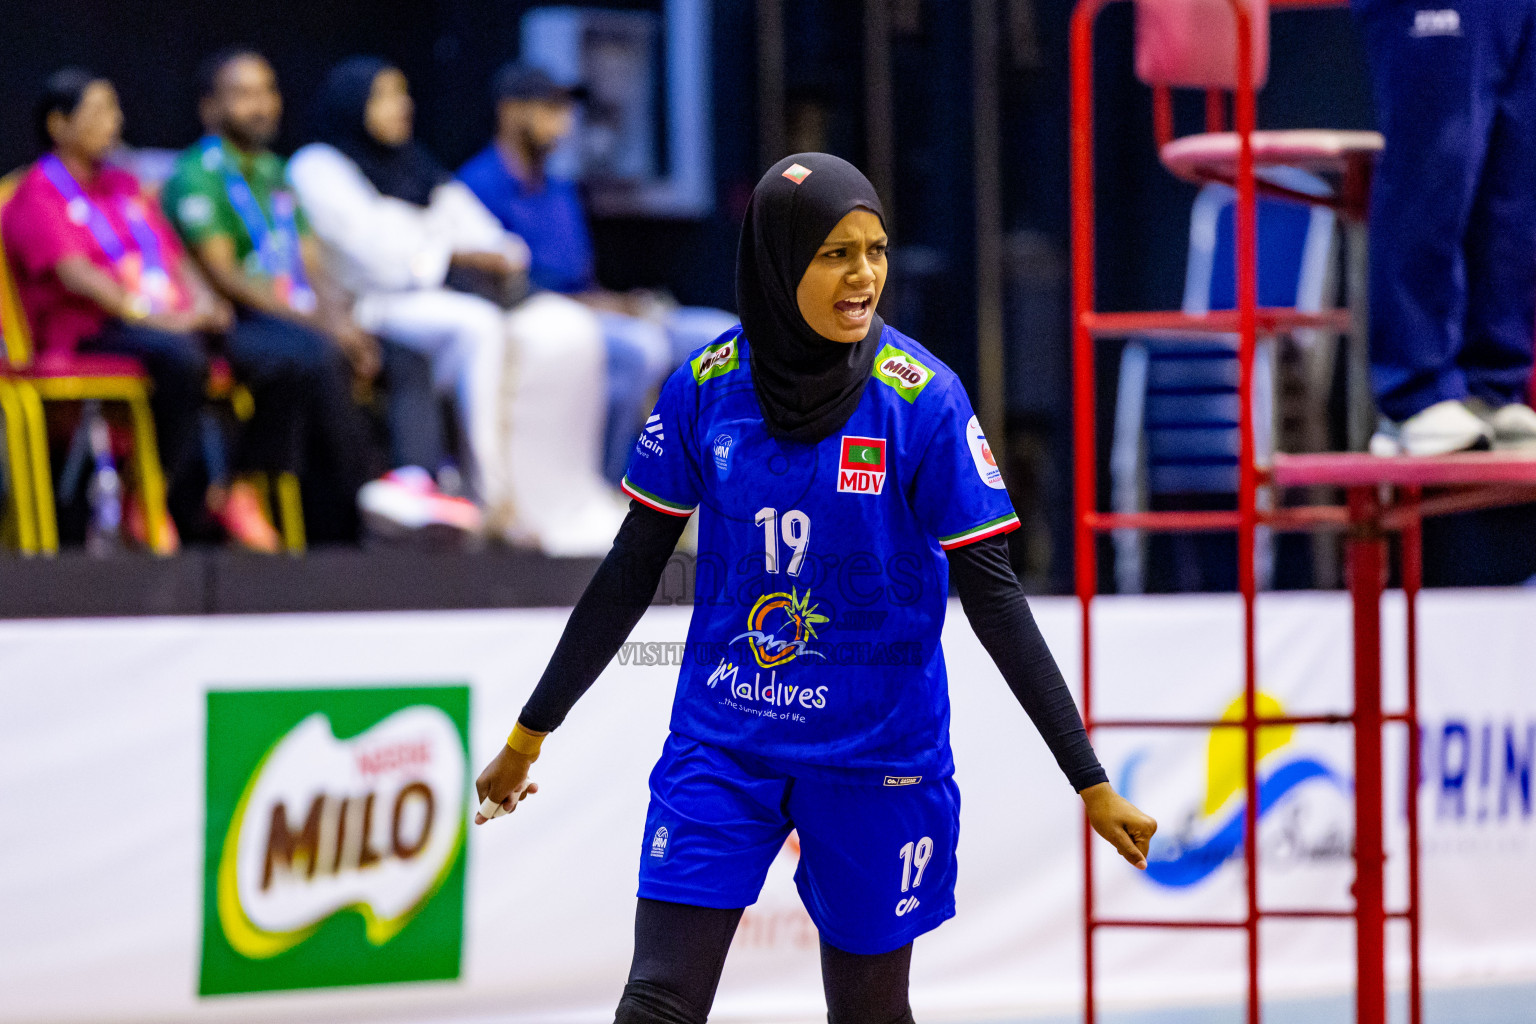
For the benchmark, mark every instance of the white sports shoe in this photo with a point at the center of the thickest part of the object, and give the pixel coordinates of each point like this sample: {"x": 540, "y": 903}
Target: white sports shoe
{"x": 406, "y": 503}
{"x": 1513, "y": 425}
{"x": 1443, "y": 428}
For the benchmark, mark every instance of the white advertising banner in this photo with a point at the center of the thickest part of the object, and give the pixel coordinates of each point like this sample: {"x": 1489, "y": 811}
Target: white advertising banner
{"x": 264, "y": 818}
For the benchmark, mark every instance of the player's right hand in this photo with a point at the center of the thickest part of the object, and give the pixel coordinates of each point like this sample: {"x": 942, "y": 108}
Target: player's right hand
{"x": 1127, "y": 828}
{"x": 503, "y": 781}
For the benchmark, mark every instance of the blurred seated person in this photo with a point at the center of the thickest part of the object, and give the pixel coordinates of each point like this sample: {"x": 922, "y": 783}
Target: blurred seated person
{"x": 228, "y": 196}
{"x": 100, "y": 271}
{"x": 429, "y": 267}
{"x": 647, "y": 335}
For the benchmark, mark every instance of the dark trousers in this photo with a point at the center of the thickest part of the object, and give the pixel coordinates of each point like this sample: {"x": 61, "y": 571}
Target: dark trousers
{"x": 1453, "y": 211}
{"x": 281, "y": 364}
{"x": 411, "y": 414}
{"x": 178, "y": 370}
{"x": 305, "y": 419}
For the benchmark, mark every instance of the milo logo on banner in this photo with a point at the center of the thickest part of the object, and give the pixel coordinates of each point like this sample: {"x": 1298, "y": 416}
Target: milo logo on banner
{"x": 902, "y": 372}
{"x": 335, "y": 837}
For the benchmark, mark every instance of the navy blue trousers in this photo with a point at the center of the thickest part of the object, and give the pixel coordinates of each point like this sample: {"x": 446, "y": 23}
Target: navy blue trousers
{"x": 1453, "y": 210}
{"x": 413, "y": 420}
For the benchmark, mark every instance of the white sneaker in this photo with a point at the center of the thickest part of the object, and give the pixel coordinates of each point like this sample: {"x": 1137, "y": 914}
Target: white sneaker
{"x": 1443, "y": 428}
{"x": 406, "y": 503}
{"x": 1513, "y": 425}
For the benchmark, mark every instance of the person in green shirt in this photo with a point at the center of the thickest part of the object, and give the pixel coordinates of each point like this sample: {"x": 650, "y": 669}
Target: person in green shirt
{"x": 229, "y": 199}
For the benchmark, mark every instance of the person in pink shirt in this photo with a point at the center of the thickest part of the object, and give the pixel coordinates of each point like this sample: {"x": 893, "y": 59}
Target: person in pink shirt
{"x": 99, "y": 269}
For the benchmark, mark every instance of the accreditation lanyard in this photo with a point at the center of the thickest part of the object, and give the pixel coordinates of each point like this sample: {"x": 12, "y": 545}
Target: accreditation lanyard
{"x": 276, "y": 245}
{"x": 142, "y": 270}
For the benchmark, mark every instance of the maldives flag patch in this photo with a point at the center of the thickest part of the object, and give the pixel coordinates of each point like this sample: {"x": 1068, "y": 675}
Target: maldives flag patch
{"x": 861, "y": 470}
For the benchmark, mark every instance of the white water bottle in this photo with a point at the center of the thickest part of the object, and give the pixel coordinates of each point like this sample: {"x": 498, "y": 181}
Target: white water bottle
{"x": 104, "y": 493}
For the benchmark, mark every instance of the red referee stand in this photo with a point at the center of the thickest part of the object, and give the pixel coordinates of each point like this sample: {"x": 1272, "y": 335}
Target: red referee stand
{"x": 1221, "y": 46}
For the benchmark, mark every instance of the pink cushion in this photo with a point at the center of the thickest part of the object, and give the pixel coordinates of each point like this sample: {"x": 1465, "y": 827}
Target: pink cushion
{"x": 75, "y": 364}
{"x": 1192, "y": 44}
{"x": 1214, "y": 154}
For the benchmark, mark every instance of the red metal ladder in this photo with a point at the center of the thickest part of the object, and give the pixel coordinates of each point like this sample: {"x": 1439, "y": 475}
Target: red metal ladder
{"x": 1383, "y": 496}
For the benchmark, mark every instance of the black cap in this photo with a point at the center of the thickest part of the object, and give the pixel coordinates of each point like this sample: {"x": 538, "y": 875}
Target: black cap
{"x": 517, "y": 81}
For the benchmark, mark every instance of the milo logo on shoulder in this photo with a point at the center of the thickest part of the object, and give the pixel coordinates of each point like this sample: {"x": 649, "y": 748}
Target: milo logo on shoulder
{"x": 902, "y": 372}
{"x": 716, "y": 360}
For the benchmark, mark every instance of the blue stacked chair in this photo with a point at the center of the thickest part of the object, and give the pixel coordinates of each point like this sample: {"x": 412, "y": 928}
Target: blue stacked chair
{"x": 1176, "y": 420}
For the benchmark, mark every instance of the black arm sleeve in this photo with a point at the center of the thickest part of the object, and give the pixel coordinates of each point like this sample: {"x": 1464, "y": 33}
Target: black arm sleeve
{"x": 999, "y": 613}
{"x": 613, "y": 602}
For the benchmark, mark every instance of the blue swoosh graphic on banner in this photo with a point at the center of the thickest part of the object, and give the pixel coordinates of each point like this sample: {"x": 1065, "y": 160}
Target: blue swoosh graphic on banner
{"x": 1197, "y": 863}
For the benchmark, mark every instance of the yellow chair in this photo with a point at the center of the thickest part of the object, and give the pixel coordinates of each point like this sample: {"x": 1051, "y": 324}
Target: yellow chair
{"x": 60, "y": 377}
{"x": 24, "y": 530}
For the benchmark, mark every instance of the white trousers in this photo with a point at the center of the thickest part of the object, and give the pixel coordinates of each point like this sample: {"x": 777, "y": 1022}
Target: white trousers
{"x": 531, "y": 389}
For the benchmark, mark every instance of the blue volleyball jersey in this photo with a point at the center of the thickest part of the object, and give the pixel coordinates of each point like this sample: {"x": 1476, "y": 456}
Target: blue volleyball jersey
{"x": 821, "y": 580}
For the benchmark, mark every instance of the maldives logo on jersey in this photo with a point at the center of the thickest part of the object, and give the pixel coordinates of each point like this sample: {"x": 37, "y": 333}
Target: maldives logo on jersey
{"x": 771, "y": 619}
{"x": 861, "y": 470}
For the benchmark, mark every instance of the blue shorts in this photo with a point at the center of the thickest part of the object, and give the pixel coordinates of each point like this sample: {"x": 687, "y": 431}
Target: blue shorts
{"x": 877, "y": 863}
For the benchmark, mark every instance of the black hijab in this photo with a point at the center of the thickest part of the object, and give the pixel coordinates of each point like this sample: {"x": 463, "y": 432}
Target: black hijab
{"x": 807, "y": 385}
{"x": 405, "y": 172}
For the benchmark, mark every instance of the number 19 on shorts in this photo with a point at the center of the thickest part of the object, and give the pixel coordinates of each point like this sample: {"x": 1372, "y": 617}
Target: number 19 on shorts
{"x": 914, "y": 859}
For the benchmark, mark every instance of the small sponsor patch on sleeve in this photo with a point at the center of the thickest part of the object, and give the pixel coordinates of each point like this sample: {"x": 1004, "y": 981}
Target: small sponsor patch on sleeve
{"x": 903, "y": 780}
{"x": 981, "y": 454}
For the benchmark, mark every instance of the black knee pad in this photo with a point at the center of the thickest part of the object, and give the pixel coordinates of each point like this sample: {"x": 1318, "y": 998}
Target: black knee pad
{"x": 647, "y": 1003}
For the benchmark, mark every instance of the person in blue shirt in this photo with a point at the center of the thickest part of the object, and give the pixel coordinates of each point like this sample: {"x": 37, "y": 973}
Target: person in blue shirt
{"x": 647, "y": 335}
{"x": 838, "y": 470}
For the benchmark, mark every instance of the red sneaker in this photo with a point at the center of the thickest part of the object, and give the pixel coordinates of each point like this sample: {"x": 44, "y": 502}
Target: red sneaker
{"x": 406, "y": 503}
{"x": 241, "y": 516}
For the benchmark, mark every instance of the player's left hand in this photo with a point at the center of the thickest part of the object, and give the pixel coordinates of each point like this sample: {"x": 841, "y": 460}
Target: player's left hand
{"x": 1120, "y": 822}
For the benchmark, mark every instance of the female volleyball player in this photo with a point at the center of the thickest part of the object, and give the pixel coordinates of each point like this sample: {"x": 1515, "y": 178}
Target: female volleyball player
{"x": 841, "y": 477}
